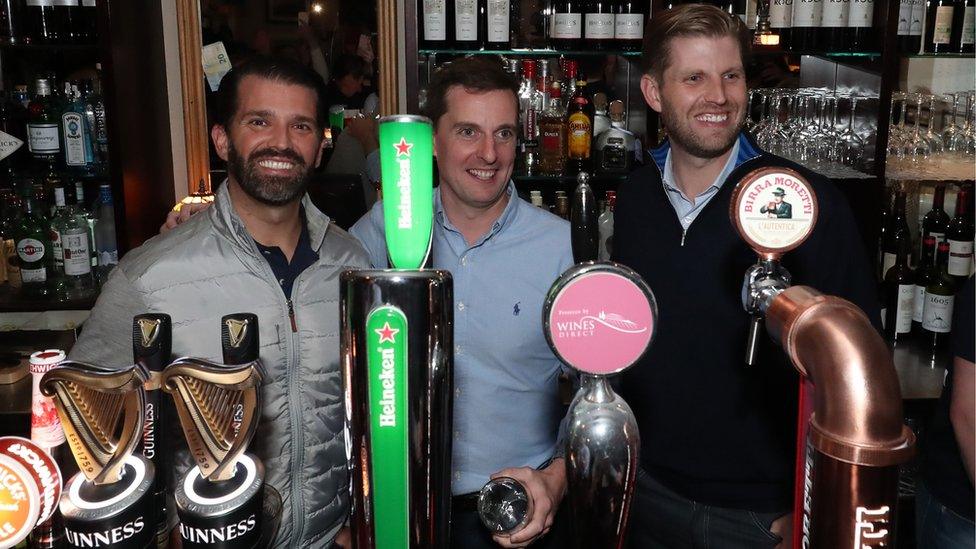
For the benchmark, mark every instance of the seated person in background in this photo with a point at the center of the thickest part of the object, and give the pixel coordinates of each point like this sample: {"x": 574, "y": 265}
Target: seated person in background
{"x": 347, "y": 86}
{"x": 944, "y": 494}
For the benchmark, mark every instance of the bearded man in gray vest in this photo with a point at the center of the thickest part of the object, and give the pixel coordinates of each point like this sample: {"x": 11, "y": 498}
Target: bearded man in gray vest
{"x": 262, "y": 248}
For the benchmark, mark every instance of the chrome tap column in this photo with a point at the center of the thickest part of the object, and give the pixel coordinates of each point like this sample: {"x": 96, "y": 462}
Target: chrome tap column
{"x": 397, "y": 362}
{"x": 599, "y": 318}
{"x": 853, "y": 434}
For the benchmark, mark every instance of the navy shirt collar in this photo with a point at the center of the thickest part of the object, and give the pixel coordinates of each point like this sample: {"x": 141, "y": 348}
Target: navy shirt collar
{"x": 304, "y": 257}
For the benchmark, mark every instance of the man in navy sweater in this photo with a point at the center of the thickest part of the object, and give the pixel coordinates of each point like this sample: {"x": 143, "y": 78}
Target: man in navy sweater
{"x": 718, "y": 437}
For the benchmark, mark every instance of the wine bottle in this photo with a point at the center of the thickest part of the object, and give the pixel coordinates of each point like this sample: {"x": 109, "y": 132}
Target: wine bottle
{"x": 498, "y": 23}
{"x": 938, "y": 26}
{"x": 899, "y": 294}
{"x": 897, "y": 234}
{"x": 598, "y": 23}
{"x": 833, "y": 25}
{"x": 66, "y": 14}
{"x": 434, "y": 24}
{"x": 781, "y": 20}
{"x": 40, "y": 22}
{"x": 11, "y": 21}
{"x": 807, "y": 17}
{"x": 859, "y": 26}
{"x": 963, "y": 26}
{"x": 936, "y": 221}
{"x": 567, "y": 24}
{"x": 629, "y": 24}
{"x": 960, "y": 238}
{"x": 468, "y": 29}
{"x": 905, "y": 37}
{"x": 926, "y": 274}
{"x": 939, "y": 301}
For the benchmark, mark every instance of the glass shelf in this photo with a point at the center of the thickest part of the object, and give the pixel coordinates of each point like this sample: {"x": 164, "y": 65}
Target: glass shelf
{"x": 848, "y": 54}
{"x": 942, "y": 55}
{"x": 565, "y": 179}
{"x": 23, "y": 48}
{"x": 533, "y": 52}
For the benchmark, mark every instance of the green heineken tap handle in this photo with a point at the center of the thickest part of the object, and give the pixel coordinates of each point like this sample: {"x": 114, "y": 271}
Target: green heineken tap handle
{"x": 407, "y": 159}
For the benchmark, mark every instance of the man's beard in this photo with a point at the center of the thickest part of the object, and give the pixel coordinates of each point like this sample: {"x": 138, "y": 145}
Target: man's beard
{"x": 268, "y": 189}
{"x": 680, "y": 133}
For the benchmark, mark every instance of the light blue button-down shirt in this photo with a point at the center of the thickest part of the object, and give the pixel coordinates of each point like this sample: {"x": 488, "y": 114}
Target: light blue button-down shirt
{"x": 686, "y": 209}
{"x": 506, "y": 402}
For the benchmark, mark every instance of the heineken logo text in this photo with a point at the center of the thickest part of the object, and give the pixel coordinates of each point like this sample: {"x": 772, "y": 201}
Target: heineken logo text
{"x": 387, "y": 402}
{"x": 405, "y": 219}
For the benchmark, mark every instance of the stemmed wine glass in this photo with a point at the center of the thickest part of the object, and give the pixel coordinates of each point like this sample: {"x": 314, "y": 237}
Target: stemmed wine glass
{"x": 963, "y": 140}
{"x": 916, "y": 146}
{"x": 935, "y": 140}
{"x": 850, "y": 145}
{"x": 951, "y": 129}
{"x": 896, "y": 129}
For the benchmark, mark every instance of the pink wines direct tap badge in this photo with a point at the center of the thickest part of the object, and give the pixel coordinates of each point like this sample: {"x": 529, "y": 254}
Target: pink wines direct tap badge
{"x": 776, "y": 209}
{"x": 601, "y": 322}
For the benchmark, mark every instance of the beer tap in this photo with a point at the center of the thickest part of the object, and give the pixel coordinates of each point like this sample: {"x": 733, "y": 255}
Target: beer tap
{"x": 851, "y": 432}
{"x": 584, "y": 216}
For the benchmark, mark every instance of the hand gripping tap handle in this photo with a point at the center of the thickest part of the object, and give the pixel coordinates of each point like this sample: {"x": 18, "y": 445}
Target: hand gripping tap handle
{"x": 239, "y": 339}
{"x": 152, "y": 343}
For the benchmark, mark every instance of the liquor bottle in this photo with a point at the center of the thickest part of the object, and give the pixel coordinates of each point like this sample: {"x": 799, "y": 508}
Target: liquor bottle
{"x": 599, "y": 23}
{"x": 34, "y": 248}
{"x": 615, "y": 148}
{"x": 805, "y": 27}
{"x": 60, "y": 206}
{"x": 833, "y": 25}
{"x": 567, "y": 24}
{"x": 468, "y": 34}
{"x": 498, "y": 19}
{"x": 562, "y": 205}
{"x": 963, "y": 26}
{"x": 530, "y": 105}
{"x": 897, "y": 234}
{"x": 11, "y": 21}
{"x": 82, "y": 207}
{"x": 629, "y": 24}
{"x": 14, "y": 156}
{"x": 73, "y": 233}
{"x": 936, "y": 221}
{"x": 859, "y": 22}
{"x": 781, "y": 20}
{"x": 95, "y": 115}
{"x": 579, "y": 130}
{"x": 939, "y": 300}
{"x": 926, "y": 274}
{"x": 552, "y": 134}
{"x": 435, "y": 24}
{"x": 535, "y": 198}
{"x": 43, "y": 137}
{"x": 9, "y": 223}
{"x": 601, "y": 122}
{"x": 938, "y": 26}
{"x": 40, "y": 23}
{"x": 899, "y": 293}
{"x": 570, "y": 70}
{"x": 960, "y": 237}
{"x": 88, "y": 22}
{"x": 79, "y": 153}
{"x": 48, "y": 433}
{"x": 66, "y": 14}
{"x": 605, "y": 223}
{"x": 108, "y": 251}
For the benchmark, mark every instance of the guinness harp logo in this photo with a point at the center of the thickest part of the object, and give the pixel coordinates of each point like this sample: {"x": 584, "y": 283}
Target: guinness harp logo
{"x": 149, "y": 330}
{"x": 237, "y": 331}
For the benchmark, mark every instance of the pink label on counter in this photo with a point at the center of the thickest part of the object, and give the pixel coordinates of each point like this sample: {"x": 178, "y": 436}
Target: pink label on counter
{"x": 601, "y": 323}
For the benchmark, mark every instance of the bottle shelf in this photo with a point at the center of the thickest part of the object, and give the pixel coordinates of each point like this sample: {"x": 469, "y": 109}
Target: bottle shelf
{"x": 568, "y": 179}
{"x": 533, "y": 52}
{"x": 819, "y": 53}
{"x": 11, "y": 300}
{"x": 941, "y": 56}
{"x": 49, "y": 48}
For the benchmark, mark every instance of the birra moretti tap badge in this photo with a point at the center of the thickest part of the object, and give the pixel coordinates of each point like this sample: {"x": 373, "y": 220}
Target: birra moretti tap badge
{"x": 600, "y": 318}
{"x": 386, "y": 352}
{"x": 30, "y": 488}
{"x": 775, "y": 209}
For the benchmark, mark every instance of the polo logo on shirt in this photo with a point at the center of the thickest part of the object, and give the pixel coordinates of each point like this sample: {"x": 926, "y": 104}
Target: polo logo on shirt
{"x": 516, "y": 310}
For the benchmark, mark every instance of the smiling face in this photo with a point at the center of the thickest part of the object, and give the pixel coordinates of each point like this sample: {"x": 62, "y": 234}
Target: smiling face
{"x": 475, "y": 146}
{"x": 701, "y": 94}
{"x": 273, "y": 142}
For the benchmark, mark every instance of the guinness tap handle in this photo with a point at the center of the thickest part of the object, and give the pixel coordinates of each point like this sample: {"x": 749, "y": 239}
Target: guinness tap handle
{"x": 239, "y": 338}
{"x": 584, "y": 229}
{"x": 152, "y": 341}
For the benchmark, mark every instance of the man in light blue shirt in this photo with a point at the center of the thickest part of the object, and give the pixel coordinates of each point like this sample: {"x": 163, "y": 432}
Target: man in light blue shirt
{"x": 504, "y": 255}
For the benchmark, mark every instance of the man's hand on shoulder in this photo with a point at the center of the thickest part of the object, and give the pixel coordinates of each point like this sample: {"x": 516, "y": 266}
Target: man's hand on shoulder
{"x": 546, "y": 488}
{"x": 174, "y": 218}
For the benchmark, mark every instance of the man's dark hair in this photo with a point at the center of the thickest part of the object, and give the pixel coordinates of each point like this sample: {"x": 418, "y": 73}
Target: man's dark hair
{"x": 347, "y": 64}
{"x": 684, "y": 21}
{"x": 475, "y": 74}
{"x": 276, "y": 69}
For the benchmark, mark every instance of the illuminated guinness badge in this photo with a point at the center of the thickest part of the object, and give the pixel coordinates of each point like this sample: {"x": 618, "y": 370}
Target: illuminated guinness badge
{"x": 149, "y": 329}
{"x": 236, "y": 330}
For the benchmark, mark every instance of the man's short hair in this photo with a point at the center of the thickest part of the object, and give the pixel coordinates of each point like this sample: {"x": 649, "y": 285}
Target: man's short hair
{"x": 348, "y": 64}
{"x": 689, "y": 20}
{"x": 476, "y": 74}
{"x": 276, "y": 69}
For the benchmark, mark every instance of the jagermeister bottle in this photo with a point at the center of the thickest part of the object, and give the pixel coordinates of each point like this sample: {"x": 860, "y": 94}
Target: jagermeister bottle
{"x": 579, "y": 130}
{"x": 939, "y": 300}
{"x": 926, "y": 274}
{"x": 34, "y": 247}
{"x": 899, "y": 288}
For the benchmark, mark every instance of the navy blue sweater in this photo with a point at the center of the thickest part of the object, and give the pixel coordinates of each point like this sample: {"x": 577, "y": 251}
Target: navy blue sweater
{"x": 712, "y": 429}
